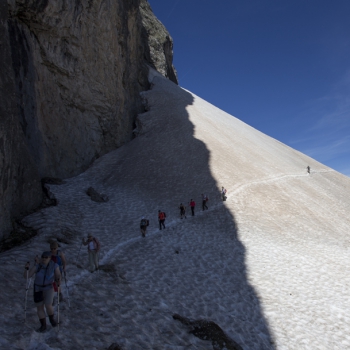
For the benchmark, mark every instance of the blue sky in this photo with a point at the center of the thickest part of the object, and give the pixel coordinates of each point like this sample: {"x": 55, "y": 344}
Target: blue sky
{"x": 281, "y": 66}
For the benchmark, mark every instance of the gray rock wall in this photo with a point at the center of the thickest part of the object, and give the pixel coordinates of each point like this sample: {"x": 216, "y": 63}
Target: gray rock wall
{"x": 74, "y": 74}
{"x": 20, "y": 188}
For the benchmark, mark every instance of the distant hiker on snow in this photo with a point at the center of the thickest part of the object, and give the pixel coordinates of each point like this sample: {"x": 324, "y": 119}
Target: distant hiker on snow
{"x": 143, "y": 226}
{"x": 204, "y": 201}
{"x": 161, "y": 219}
{"x": 182, "y": 211}
{"x": 223, "y": 193}
{"x": 93, "y": 250}
{"x": 59, "y": 258}
{"x": 308, "y": 169}
{"x": 47, "y": 272}
{"x": 192, "y": 205}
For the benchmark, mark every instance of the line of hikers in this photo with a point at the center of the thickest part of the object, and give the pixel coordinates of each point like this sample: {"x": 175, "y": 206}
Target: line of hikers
{"x": 162, "y": 215}
{"x": 50, "y": 268}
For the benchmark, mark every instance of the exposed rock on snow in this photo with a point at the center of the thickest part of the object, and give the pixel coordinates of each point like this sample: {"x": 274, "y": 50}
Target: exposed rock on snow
{"x": 115, "y": 346}
{"x": 209, "y": 330}
{"x": 95, "y": 196}
{"x": 19, "y": 235}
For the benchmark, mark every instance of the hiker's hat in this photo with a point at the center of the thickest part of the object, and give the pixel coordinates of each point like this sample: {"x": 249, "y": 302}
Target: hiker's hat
{"x": 89, "y": 235}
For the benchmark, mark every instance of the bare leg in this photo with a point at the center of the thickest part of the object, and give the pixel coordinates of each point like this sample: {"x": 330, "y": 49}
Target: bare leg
{"x": 41, "y": 311}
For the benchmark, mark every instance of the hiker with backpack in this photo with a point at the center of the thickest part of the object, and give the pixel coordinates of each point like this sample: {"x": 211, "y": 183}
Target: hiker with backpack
{"x": 59, "y": 258}
{"x": 47, "y": 272}
{"x": 161, "y": 219}
{"x": 182, "y": 211}
{"x": 192, "y": 205}
{"x": 223, "y": 193}
{"x": 308, "y": 169}
{"x": 143, "y": 226}
{"x": 204, "y": 201}
{"x": 93, "y": 250}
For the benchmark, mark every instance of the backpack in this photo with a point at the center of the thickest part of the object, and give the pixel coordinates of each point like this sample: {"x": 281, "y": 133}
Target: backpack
{"x": 57, "y": 259}
{"x": 98, "y": 245}
{"x": 144, "y": 222}
{"x": 206, "y": 198}
{"x": 45, "y": 276}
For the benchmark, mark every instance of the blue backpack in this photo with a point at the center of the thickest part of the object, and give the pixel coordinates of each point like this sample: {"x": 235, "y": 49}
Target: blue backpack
{"x": 58, "y": 260}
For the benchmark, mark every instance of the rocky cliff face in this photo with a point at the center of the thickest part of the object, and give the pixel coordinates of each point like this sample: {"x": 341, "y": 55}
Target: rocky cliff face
{"x": 20, "y": 183}
{"x": 73, "y": 73}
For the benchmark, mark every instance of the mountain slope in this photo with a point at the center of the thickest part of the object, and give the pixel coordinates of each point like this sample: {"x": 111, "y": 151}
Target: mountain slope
{"x": 267, "y": 265}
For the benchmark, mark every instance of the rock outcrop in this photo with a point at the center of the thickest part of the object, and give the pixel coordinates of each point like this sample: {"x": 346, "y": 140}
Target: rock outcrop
{"x": 70, "y": 90}
{"x": 209, "y": 330}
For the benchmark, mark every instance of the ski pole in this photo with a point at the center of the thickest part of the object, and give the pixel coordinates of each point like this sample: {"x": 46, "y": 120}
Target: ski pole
{"x": 76, "y": 260}
{"x": 65, "y": 280}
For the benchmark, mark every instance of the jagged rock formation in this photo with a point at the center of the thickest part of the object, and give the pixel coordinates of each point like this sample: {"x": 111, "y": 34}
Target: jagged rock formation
{"x": 70, "y": 87}
{"x": 160, "y": 44}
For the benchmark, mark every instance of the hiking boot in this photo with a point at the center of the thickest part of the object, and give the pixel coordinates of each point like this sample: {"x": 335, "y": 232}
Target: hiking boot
{"x": 42, "y": 329}
{"x": 52, "y": 321}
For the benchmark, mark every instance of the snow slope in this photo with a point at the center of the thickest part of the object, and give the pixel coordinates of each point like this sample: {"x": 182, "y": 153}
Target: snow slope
{"x": 269, "y": 265}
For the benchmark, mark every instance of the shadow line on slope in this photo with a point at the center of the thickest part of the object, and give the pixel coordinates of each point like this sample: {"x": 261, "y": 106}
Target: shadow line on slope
{"x": 167, "y": 166}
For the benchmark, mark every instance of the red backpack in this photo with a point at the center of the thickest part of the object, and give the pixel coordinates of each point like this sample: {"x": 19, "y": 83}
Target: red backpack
{"x": 98, "y": 245}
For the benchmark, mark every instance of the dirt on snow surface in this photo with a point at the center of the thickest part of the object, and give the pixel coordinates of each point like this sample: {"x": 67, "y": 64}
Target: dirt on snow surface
{"x": 269, "y": 266}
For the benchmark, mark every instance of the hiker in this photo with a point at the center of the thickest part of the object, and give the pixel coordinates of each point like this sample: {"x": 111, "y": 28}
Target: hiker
{"x": 182, "y": 211}
{"x": 143, "y": 226}
{"x": 223, "y": 193}
{"x": 204, "y": 201}
{"x": 308, "y": 169}
{"x": 93, "y": 250}
{"x": 47, "y": 272}
{"x": 161, "y": 219}
{"x": 192, "y": 205}
{"x": 59, "y": 258}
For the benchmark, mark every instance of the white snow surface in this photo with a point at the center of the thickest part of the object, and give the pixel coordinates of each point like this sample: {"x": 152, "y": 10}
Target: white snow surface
{"x": 269, "y": 265}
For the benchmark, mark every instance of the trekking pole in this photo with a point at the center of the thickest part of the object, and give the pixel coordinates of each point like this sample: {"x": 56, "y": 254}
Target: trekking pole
{"x": 27, "y": 287}
{"x": 98, "y": 263}
{"x": 76, "y": 260}
{"x": 58, "y": 309}
{"x": 65, "y": 280}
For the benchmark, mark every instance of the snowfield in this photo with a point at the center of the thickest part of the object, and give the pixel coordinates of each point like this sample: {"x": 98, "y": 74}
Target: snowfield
{"x": 269, "y": 265}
